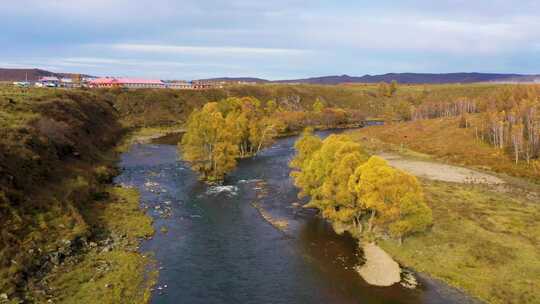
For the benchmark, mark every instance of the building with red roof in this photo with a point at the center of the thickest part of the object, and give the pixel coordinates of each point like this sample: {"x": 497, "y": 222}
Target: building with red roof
{"x": 128, "y": 83}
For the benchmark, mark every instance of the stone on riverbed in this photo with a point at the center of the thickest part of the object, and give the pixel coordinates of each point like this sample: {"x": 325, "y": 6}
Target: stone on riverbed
{"x": 380, "y": 269}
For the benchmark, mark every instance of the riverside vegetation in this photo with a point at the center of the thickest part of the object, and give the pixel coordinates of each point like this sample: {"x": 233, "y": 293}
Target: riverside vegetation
{"x": 352, "y": 190}
{"x": 62, "y": 220}
{"x": 485, "y": 238}
{"x": 234, "y": 128}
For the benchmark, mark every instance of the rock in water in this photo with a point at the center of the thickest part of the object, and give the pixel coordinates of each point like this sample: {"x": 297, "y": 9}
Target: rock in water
{"x": 380, "y": 269}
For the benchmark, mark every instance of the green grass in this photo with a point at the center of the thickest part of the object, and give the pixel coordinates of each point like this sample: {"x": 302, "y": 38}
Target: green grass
{"x": 483, "y": 241}
{"x": 120, "y": 214}
{"x": 119, "y": 276}
{"x": 111, "y": 277}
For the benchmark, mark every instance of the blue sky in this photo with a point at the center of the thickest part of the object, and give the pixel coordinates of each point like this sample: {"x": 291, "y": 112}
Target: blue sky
{"x": 276, "y": 39}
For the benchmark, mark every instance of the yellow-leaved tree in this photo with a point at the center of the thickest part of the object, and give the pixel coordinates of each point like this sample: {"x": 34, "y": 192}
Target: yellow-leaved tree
{"x": 221, "y": 132}
{"x": 393, "y": 198}
{"x": 322, "y": 171}
{"x": 210, "y": 143}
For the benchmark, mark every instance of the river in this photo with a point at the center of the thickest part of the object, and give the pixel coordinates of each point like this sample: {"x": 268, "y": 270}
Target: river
{"x": 213, "y": 246}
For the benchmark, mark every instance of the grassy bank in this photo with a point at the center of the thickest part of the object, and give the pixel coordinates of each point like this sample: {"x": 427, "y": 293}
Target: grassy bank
{"x": 111, "y": 270}
{"x": 485, "y": 239}
{"x": 67, "y": 235}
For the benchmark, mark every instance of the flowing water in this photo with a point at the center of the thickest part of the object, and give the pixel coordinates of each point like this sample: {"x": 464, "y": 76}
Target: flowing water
{"x": 214, "y": 246}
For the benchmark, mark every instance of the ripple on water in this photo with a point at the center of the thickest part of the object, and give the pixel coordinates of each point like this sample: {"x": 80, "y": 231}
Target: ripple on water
{"x": 229, "y": 190}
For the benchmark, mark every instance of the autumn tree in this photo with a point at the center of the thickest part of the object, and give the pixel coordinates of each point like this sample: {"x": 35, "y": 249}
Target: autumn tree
{"x": 210, "y": 144}
{"x": 517, "y": 140}
{"x": 318, "y": 106}
{"x": 226, "y": 130}
{"x": 322, "y": 169}
{"x": 383, "y": 89}
{"x": 338, "y": 203}
{"x": 393, "y": 88}
{"x": 393, "y": 198}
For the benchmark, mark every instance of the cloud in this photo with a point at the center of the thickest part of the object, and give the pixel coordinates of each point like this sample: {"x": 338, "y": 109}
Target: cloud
{"x": 281, "y": 38}
{"x": 416, "y": 33}
{"x": 204, "y": 50}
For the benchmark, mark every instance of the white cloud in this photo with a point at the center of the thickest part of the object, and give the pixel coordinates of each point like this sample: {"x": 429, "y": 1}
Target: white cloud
{"x": 204, "y": 50}
{"x": 426, "y": 34}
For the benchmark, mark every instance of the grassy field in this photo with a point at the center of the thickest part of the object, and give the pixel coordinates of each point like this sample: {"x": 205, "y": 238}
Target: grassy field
{"x": 483, "y": 241}
{"x": 444, "y": 140}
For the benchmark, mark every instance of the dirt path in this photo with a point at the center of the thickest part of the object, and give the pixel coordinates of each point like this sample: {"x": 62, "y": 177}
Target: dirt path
{"x": 441, "y": 172}
{"x": 380, "y": 269}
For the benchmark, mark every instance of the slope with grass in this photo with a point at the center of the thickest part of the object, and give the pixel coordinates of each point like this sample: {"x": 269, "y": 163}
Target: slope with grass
{"x": 60, "y": 216}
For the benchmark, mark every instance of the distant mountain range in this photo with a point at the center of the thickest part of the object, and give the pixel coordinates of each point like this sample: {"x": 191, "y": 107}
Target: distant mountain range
{"x": 33, "y": 74}
{"x": 405, "y": 78}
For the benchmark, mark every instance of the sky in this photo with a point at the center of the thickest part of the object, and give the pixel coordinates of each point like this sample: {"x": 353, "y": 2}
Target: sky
{"x": 278, "y": 39}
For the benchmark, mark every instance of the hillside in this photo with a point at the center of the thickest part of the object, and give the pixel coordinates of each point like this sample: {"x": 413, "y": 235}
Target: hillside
{"x": 33, "y": 74}
{"x": 419, "y": 78}
{"x": 237, "y": 79}
{"x": 57, "y": 208}
{"x": 158, "y": 108}
{"x": 404, "y": 78}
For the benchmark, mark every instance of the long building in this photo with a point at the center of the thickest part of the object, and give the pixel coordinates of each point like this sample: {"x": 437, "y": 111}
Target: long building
{"x": 128, "y": 83}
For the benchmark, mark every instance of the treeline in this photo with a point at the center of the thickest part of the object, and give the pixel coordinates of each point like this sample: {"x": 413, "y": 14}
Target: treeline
{"x": 156, "y": 108}
{"x": 513, "y": 125}
{"x": 507, "y": 117}
{"x": 354, "y": 190}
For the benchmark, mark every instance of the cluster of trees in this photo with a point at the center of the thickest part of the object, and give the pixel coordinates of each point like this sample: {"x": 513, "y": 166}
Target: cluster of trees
{"x": 221, "y": 132}
{"x": 507, "y": 117}
{"x": 516, "y": 130}
{"x": 435, "y": 109}
{"x": 387, "y": 90}
{"x": 353, "y": 189}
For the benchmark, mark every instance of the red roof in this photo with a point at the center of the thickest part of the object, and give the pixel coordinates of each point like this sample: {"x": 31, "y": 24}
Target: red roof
{"x": 125, "y": 81}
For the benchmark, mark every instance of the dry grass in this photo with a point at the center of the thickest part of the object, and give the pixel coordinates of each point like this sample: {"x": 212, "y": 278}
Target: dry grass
{"x": 443, "y": 140}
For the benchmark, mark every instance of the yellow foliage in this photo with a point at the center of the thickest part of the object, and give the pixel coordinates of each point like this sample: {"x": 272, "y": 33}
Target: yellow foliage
{"x": 394, "y": 196}
{"x": 223, "y": 131}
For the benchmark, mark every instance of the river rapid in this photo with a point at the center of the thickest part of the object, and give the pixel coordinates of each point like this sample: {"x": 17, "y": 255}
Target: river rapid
{"x": 214, "y": 244}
